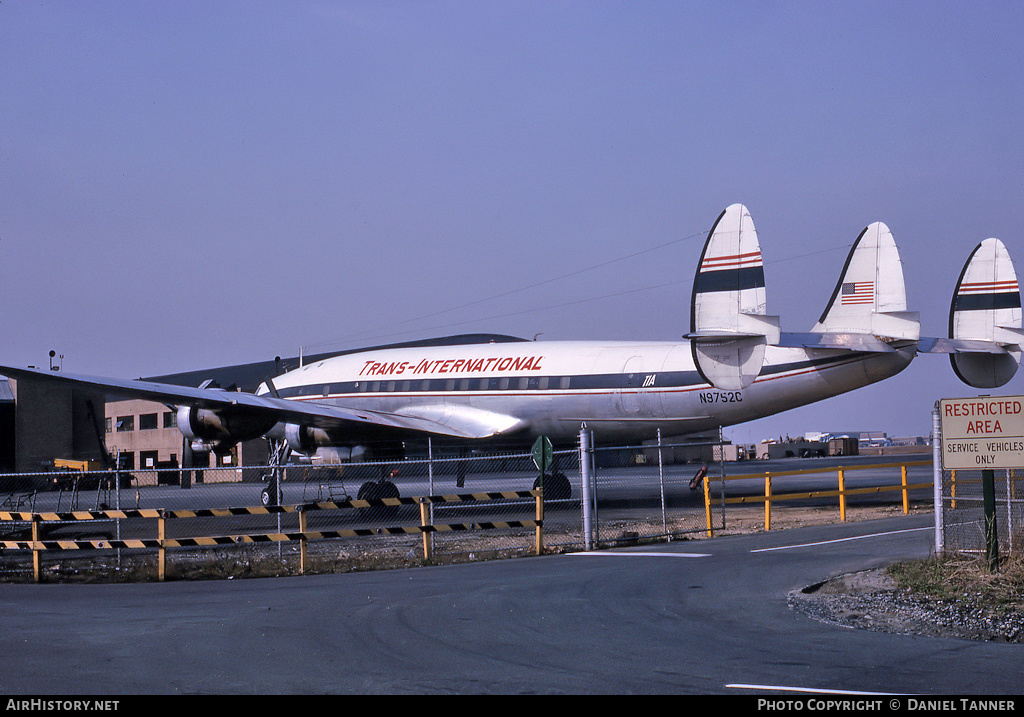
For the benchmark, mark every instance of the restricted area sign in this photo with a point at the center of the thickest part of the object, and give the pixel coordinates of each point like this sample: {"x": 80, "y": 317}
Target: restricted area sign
{"x": 985, "y": 432}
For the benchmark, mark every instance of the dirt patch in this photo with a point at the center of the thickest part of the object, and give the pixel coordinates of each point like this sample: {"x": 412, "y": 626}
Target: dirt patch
{"x": 871, "y": 600}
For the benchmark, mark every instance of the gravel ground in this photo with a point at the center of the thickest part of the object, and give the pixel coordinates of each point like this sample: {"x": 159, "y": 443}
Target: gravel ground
{"x": 870, "y": 600}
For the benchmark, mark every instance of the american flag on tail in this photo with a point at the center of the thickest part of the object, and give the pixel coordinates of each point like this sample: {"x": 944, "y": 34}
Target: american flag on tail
{"x": 858, "y": 292}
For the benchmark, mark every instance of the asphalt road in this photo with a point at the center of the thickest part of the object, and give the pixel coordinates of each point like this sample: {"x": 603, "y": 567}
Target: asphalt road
{"x": 705, "y": 616}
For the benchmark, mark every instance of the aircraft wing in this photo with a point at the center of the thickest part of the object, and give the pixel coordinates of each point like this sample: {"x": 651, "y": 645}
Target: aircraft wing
{"x": 453, "y": 421}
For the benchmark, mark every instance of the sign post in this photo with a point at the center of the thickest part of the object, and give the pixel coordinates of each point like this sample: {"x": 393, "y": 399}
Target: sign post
{"x": 984, "y": 433}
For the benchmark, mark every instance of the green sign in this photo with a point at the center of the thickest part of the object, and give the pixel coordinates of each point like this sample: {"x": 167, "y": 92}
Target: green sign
{"x": 543, "y": 453}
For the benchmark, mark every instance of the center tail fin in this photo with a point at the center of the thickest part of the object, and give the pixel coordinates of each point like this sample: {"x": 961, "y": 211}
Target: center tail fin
{"x": 870, "y": 296}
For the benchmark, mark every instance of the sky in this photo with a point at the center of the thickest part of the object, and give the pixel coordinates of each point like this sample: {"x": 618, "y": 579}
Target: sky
{"x": 192, "y": 184}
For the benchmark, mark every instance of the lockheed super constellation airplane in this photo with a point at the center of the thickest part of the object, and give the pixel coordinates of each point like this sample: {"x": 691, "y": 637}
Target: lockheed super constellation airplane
{"x": 734, "y": 365}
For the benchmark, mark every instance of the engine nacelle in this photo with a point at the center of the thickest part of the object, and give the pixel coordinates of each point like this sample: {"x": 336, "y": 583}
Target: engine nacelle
{"x": 219, "y": 429}
{"x": 307, "y": 440}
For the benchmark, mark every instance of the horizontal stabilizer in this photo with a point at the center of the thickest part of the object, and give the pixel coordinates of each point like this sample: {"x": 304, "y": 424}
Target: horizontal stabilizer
{"x": 729, "y": 328}
{"x": 870, "y": 296}
{"x": 986, "y": 308}
{"x": 929, "y": 345}
{"x": 833, "y": 340}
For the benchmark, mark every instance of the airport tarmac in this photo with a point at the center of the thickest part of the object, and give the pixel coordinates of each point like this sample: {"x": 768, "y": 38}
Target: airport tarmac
{"x": 706, "y": 616}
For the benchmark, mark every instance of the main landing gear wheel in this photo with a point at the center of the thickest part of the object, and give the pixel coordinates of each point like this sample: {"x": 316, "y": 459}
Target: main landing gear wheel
{"x": 376, "y": 490}
{"x": 556, "y": 487}
{"x": 372, "y": 489}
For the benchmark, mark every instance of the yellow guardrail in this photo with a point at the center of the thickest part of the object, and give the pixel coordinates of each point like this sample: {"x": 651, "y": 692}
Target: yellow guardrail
{"x": 842, "y": 491}
{"x": 37, "y": 545}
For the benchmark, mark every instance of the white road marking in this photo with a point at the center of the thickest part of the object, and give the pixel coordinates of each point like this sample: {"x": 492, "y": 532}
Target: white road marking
{"x": 646, "y": 555}
{"x": 809, "y": 690}
{"x": 840, "y": 540}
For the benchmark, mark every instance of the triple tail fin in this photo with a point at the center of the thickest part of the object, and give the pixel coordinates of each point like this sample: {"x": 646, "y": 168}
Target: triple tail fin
{"x": 986, "y": 310}
{"x": 729, "y": 328}
{"x": 870, "y": 296}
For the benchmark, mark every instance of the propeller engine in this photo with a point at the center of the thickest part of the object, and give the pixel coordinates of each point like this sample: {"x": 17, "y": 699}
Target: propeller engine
{"x": 218, "y": 430}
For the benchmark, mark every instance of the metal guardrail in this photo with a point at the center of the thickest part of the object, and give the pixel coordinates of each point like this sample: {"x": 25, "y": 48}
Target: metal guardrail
{"x": 842, "y": 492}
{"x": 37, "y": 545}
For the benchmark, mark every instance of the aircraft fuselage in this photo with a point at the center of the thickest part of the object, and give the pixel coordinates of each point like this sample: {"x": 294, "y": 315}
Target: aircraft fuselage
{"x": 622, "y": 390}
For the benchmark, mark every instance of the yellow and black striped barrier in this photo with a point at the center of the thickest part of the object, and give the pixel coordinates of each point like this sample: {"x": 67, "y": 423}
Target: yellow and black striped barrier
{"x": 161, "y": 542}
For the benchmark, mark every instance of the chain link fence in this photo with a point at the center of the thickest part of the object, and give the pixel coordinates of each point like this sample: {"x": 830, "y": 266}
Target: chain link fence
{"x": 963, "y": 512}
{"x": 368, "y": 515}
{"x": 655, "y": 491}
{"x": 635, "y": 494}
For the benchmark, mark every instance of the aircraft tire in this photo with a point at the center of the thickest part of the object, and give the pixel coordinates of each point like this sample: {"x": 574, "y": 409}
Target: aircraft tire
{"x": 556, "y": 487}
{"x": 368, "y": 491}
{"x": 374, "y": 490}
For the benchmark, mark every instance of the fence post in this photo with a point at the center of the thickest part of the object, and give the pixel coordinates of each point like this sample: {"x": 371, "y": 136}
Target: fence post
{"x": 161, "y": 534}
{"x": 539, "y": 531}
{"x": 906, "y": 494}
{"x": 424, "y": 522}
{"x": 707, "y": 503}
{"x": 937, "y": 479}
{"x": 842, "y": 496}
{"x": 767, "y": 500}
{"x": 302, "y": 541}
{"x": 588, "y": 517}
{"x": 35, "y": 548}
{"x": 429, "y": 538}
{"x": 1009, "y": 510}
{"x": 988, "y": 495}
{"x": 661, "y": 483}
